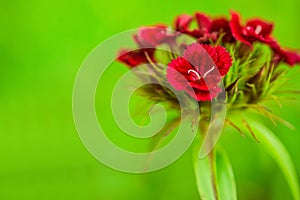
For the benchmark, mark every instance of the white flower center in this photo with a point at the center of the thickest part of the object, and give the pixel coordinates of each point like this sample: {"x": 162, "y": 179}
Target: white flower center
{"x": 195, "y": 72}
{"x": 258, "y": 29}
{"x": 198, "y": 75}
{"x": 213, "y": 67}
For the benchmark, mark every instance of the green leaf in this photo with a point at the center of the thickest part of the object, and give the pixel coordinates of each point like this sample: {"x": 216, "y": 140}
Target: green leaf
{"x": 215, "y": 169}
{"x": 277, "y": 151}
{"x": 203, "y": 178}
{"x": 225, "y": 177}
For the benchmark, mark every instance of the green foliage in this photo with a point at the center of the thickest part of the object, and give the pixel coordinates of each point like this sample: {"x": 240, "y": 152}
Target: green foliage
{"x": 254, "y": 77}
{"x": 214, "y": 177}
{"x": 43, "y": 43}
{"x": 273, "y": 146}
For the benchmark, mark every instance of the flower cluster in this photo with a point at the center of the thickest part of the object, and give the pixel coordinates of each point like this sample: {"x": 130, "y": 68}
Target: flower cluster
{"x": 224, "y": 50}
{"x": 217, "y": 64}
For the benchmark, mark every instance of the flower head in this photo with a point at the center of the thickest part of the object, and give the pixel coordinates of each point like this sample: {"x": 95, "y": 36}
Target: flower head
{"x": 153, "y": 36}
{"x": 254, "y": 30}
{"x": 147, "y": 38}
{"x": 199, "y": 71}
{"x": 257, "y": 30}
{"x": 207, "y": 29}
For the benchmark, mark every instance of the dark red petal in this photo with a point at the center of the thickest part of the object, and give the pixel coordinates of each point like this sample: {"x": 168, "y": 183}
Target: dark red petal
{"x": 203, "y": 21}
{"x": 135, "y": 57}
{"x": 196, "y": 33}
{"x": 181, "y": 65}
{"x": 222, "y": 26}
{"x": 182, "y": 22}
{"x": 260, "y": 27}
{"x": 176, "y": 72}
{"x": 205, "y": 84}
{"x": 151, "y": 36}
{"x": 237, "y": 29}
{"x": 204, "y": 95}
{"x": 290, "y": 57}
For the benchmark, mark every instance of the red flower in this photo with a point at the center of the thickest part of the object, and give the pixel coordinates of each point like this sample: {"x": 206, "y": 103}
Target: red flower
{"x": 207, "y": 30}
{"x": 199, "y": 71}
{"x": 258, "y": 30}
{"x": 254, "y": 30}
{"x": 133, "y": 58}
{"x": 203, "y": 21}
{"x": 221, "y": 26}
{"x": 288, "y": 56}
{"x": 153, "y": 36}
{"x": 147, "y": 39}
{"x": 182, "y": 22}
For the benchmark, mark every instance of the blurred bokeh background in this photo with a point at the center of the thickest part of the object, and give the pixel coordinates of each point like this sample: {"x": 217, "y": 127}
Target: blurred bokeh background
{"x": 42, "y": 45}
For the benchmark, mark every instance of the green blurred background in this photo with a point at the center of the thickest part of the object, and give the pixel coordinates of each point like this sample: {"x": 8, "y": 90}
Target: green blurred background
{"x": 42, "y": 45}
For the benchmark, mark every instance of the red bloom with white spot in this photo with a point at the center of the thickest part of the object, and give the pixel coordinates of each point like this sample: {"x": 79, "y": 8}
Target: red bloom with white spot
{"x": 199, "y": 71}
{"x": 258, "y": 30}
{"x": 254, "y": 30}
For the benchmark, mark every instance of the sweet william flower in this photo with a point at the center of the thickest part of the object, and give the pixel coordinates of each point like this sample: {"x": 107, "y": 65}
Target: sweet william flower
{"x": 154, "y": 36}
{"x": 254, "y": 30}
{"x": 199, "y": 71}
{"x": 147, "y": 38}
{"x": 259, "y": 30}
{"x": 182, "y": 24}
{"x": 207, "y": 29}
{"x": 133, "y": 58}
{"x": 256, "y": 77}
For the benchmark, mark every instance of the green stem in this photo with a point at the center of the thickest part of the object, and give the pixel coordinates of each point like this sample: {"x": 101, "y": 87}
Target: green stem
{"x": 211, "y": 158}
